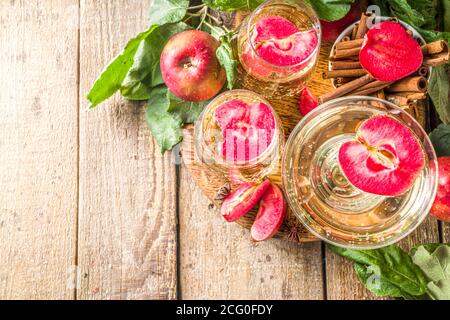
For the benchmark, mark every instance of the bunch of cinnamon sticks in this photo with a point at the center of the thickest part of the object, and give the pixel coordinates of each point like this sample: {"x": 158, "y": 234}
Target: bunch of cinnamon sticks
{"x": 350, "y": 78}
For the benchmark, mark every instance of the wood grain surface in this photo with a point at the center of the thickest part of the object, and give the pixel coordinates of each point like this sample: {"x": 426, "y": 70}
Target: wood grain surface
{"x": 38, "y": 149}
{"x": 90, "y": 209}
{"x": 127, "y": 215}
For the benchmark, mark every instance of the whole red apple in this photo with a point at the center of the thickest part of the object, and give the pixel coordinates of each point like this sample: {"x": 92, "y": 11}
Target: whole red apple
{"x": 441, "y": 206}
{"x": 190, "y": 68}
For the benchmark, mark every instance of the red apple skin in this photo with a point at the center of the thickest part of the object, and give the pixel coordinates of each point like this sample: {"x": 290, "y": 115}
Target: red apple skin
{"x": 331, "y": 30}
{"x": 189, "y": 66}
{"x": 441, "y": 206}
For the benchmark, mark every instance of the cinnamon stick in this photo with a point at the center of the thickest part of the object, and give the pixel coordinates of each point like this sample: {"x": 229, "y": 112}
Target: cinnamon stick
{"x": 398, "y": 100}
{"x": 350, "y": 73}
{"x": 345, "y": 39}
{"x": 434, "y": 47}
{"x": 380, "y": 94}
{"x": 370, "y": 88}
{"x": 409, "y": 84}
{"x": 345, "y": 64}
{"x": 423, "y": 71}
{"x": 349, "y": 44}
{"x": 345, "y": 53}
{"x": 410, "y": 96}
{"x": 346, "y": 88}
{"x": 337, "y": 82}
{"x": 436, "y": 60}
{"x": 363, "y": 26}
{"x": 354, "y": 31}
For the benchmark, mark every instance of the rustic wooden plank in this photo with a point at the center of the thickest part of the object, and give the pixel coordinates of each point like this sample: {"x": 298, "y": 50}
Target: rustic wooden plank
{"x": 342, "y": 282}
{"x": 38, "y": 148}
{"x": 445, "y": 227}
{"x": 218, "y": 259}
{"x": 127, "y": 225}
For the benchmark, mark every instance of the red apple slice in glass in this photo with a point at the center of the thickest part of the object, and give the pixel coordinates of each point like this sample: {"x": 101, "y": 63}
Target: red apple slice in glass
{"x": 385, "y": 159}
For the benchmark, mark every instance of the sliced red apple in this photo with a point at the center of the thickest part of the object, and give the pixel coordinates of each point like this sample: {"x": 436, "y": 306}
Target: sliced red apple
{"x": 247, "y": 129}
{"x": 308, "y": 102}
{"x": 389, "y": 53}
{"x": 280, "y": 42}
{"x": 271, "y": 214}
{"x": 241, "y": 201}
{"x": 385, "y": 159}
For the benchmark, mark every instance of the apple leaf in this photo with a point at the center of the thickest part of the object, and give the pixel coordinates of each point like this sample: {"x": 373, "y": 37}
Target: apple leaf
{"x": 145, "y": 72}
{"x": 166, "y": 115}
{"x": 440, "y": 137}
{"x": 331, "y": 10}
{"x": 111, "y": 79}
{"x": 185, "y": 111}
{"x": 227, "y": 60}
{"x": 165, "y": 128}
{"x": 167, "y": 11}
{"x": 390, "y": 271}
{"x": 231, "y": 5}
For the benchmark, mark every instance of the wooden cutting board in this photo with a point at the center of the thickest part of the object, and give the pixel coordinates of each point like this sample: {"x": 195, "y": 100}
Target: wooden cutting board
{"x": 211, "y": 181}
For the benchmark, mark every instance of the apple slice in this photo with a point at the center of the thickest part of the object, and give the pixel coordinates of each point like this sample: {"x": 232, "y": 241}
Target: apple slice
{"x": 308, "y": 102}
{"x": 271, "y": 214}
{"x": 385, "y": 159}
{"x": 389, "y": 53}
{"x": 241, "y": 201}
{"x": 280, "y": 42}
{"x": 247, "y": 129}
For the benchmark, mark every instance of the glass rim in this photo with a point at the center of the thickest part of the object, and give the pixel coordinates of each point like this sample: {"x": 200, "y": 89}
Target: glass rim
{"x": 317, "y": 29}
{"x": 241, "y": 164}
{"x": 332, "y": 239}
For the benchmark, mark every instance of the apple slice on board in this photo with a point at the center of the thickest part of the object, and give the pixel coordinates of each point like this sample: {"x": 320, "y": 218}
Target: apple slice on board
{"x": 307, "y": 102}
{"x": 271, "y": 214}
{"x": 241, "y": 201}
{"x": 385, "y": 158}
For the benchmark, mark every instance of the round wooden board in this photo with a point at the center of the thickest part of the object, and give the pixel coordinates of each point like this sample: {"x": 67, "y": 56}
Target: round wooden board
{"x": 211, "y": 181}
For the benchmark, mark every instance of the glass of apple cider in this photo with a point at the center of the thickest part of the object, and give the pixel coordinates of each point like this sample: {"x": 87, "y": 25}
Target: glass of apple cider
{"x": 240, "y": 131}
{"x": 278, "y": 47}
{"x": 359, "y": 172}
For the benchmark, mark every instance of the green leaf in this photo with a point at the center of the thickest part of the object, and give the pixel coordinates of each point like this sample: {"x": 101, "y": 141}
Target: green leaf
{"x": 439, "y": 92}
{"x": 145, "y": 72}
{"x": 436, "y": 267}
{"x": 166, "y": 128}
{"x": 167, "y": 11}
{"x": 403, "y": 10}
{"x": 185, "y": 111}
{"x": 331, "y": 10}
{"x": 394, "y": 267}
{"x": 439, "y": 290}
{"x": 231, "y": 5}
{"x": 428, "y": 10}
{"x": 111, "y": 78}
{"x": 446, "y": 15}
{"x": 227, "y": 60}
{"x": 440, "y": 137}
{"x": 430, "y": 247}
{"x": 372, "y": 279}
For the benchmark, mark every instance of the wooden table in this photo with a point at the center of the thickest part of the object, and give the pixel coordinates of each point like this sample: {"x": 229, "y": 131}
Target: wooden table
{"x": 90, "y": 209}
